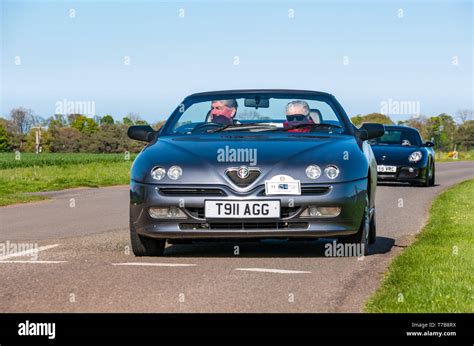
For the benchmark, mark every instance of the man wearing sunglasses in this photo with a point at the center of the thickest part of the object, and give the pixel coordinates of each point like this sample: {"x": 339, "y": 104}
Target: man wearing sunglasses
{"x": 297, "y": 113}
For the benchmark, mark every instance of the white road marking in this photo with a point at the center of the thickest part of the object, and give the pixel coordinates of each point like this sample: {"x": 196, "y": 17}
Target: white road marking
{"x": 34, "y": 262}
{"x": 279, "y": 271}
{"x": 28, "y": 252}
{"x": 154, "y": 264}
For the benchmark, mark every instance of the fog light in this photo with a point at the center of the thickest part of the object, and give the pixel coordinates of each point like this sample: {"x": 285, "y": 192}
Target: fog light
{"x": 173, "y": 212}
{"x": 167, "y": 213}
{"x": 329, "y": 211}
{"x": 313, "y": 211}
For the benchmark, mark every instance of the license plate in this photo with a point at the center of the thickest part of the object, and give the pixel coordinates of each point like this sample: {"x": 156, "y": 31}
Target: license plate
{"x": 242, "y": 209}
{"x": 386, "y": 169}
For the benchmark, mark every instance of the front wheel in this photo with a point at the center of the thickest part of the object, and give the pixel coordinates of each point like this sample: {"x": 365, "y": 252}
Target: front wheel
{"x": 144, "y": 246}
{"x": 426, "y": 182}
{"x": 361, "y": 238}
{"x": 372, "y": 229}
{"x": 432, "y": 178}
{"x": 428, "y": 177}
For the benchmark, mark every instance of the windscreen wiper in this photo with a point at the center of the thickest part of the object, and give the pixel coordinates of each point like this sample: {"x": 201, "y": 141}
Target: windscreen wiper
{"x": 299, "y": 126}
{"x": 240, "y": 127}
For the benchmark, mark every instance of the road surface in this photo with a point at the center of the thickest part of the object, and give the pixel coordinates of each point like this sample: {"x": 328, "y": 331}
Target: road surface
{"x": 85, "y": 262}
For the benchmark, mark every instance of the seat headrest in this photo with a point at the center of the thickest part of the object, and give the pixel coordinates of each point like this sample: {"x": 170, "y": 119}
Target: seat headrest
{"x": 315, "y": 115}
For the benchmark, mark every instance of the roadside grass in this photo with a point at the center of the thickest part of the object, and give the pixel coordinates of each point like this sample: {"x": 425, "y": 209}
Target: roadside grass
{"x": 15, "y": 183}
{"x": 435, "y": 274}
{"x": 12, "y": 160}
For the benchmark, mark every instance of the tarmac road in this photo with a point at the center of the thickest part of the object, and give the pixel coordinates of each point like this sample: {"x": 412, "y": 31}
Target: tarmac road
{"x": 85, "y": 263}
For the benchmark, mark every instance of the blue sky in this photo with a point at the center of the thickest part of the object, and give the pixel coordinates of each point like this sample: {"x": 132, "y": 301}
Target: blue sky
{"x": 391, "y": 55}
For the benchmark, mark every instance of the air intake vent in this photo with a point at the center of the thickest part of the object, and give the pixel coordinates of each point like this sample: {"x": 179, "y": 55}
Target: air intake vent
{"x": 307, "y": 190}
{"x": 191, "y": 192}
{"x": 244, "y": 226}
{"x": 315, "y": 190}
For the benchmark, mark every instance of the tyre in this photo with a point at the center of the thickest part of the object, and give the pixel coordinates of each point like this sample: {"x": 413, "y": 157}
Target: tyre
{"x": 426, "y": 182}
{"x": 372, "y": 230}
{"x": 144, "y": 246}
{"x": 432, "y": 178}
{"x": 361, "y": 238}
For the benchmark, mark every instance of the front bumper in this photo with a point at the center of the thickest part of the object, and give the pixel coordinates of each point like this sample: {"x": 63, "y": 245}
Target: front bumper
{"x": 405, "y": 173}
{"x": 350, "y": 196}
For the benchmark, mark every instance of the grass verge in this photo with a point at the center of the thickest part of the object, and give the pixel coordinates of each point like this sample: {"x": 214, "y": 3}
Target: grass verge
{"x": 435, "y": 273}
{"x": 16, "y": 182}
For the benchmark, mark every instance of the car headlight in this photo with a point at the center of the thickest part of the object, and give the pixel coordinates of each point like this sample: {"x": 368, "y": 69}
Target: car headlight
{"x": 313, "y": 172}
{"x": 174, "y": 172}
{"x": 415, "y": 156}
{"x": 331, "y": 172}
{"x": 158, "y": 173}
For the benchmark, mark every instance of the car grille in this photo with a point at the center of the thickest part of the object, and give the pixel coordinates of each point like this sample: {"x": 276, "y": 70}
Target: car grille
{"x": 243, "y": 225}
{"x": 284, "y": 212}
{"x": 386, "y": 175}
{"x": 253, "y": 175}
{"x": 307, "y": 190}
{"x": 192, "y": 192}
{"x": 315, "y": 190}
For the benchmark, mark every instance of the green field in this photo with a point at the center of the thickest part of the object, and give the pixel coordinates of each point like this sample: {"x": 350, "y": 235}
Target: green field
{"x": 435, "y": 274}
{"x": 47, "y": 172}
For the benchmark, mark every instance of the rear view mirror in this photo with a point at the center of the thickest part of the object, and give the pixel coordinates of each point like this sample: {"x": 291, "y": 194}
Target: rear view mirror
{"x": 257, "y": 102}
{"x": 141, "y": 133}
{"x": 371, "y": 131}
{"x": 428, "y": 144}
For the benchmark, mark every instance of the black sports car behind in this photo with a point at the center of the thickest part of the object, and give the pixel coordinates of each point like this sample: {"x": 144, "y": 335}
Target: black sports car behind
{"x": 402, "y": 156}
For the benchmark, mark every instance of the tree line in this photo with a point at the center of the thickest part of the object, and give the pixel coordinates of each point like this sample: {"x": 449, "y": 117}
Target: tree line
{"x": 79, "y": 133}
{"x": 71, "y": 133}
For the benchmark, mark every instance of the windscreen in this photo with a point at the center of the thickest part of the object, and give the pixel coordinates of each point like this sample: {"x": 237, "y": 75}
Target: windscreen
{"x": 398, "y": 137}
{"x": 256, "y": 113}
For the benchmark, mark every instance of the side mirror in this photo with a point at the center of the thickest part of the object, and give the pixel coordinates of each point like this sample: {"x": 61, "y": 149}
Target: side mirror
{"x": 428, "y": 144}
{"x": 371, "y": 131}
{"x": 141, "y": 133}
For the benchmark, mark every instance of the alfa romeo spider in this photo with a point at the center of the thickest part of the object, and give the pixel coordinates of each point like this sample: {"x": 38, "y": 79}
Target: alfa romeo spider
{"x": 253, "y": 164}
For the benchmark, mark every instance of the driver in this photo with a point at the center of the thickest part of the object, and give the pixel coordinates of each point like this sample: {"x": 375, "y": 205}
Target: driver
{"x": 298, "y": 113}
{"x": 223, "y": 111}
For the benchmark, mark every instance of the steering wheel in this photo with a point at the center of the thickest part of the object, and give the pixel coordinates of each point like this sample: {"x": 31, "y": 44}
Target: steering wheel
{"x": 204, "y": 126}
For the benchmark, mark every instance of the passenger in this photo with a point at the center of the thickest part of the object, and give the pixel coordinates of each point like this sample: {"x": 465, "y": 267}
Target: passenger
{"x": 297, "y": 113}
{"x": 223, "y": 111}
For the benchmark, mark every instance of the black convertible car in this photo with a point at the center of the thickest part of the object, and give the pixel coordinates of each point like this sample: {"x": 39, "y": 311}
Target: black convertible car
{"x": 253, "y": 164}
{"x": 402, "y": 156}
